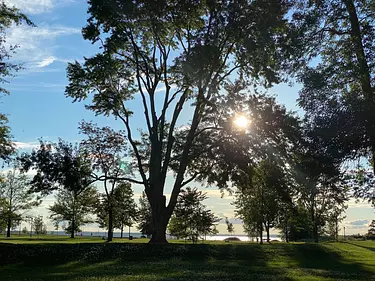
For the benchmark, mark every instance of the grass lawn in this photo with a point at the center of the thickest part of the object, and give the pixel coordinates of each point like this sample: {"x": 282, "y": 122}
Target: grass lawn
{"x": 91, "y": 259}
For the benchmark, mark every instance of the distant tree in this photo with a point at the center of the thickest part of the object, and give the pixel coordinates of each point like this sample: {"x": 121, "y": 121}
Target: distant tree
{"x": 106, "y": 148}
{"x": 322, "y": 188}
{"x": 371, "y": 230}
{"x": 16, "y": 198}
{"x": 8, "y": 16}
{"x": 191, "y": 219}
{"x": 74, "y": 208}
{"x": 333, "y": 218}
{"x": 145, "y": 216}
{"x": 261, "y": 196}
{"x": 125, "y": 211}
{"x": 25, "y": 231}
{"x": 39, "y": 226}
{"x": 230, "y": 227}
{"x": 178, "y": 54}
{"x": 299, "y": 225}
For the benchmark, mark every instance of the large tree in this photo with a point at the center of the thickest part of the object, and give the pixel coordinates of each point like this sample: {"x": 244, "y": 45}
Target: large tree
{"x": 74, "y": 207}
{"x": 15, "y": 198}
{"x": 177, "y": 55}
{"x": 338, "y": 86}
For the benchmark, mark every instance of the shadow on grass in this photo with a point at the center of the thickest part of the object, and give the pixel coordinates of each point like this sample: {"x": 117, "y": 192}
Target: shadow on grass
{"x": 174, "y": 262}
{"x": 362, "y": 246}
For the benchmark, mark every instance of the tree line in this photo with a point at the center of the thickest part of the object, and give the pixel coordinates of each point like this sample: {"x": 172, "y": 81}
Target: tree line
{"x": 215, "y": 60}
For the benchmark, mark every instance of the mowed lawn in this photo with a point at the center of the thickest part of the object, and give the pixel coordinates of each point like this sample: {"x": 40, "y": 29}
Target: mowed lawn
{"x": 62, "y": 259}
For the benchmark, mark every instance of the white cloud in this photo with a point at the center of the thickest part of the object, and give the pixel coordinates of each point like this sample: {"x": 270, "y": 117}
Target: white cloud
{"x": 31, "y": 6}
{"x": 46, "y": 62}
{"x": 36, "y": 44}
{"x": 26, "y": 145}
{"x": 353, "y": 203}
{"x": 37, "y": 6}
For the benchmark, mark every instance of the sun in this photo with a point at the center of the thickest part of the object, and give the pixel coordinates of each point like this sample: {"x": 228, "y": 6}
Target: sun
{"x": 241, "y": 121}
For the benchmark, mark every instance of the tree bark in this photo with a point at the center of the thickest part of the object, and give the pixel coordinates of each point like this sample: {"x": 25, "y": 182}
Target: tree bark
{"x": 268, "y": 233}
{"x": 73, "y": 228}
{"x": 9, "y": 226}
{"x": 160, "y": 220}
{"x": 261, "y": 235}
{"x": 122, "y": 230}
{"x": 315, "y": 232}
{"x": 286, "y": 231}
{"x": 110, "y": 224}
{"x": 365, "y": 75}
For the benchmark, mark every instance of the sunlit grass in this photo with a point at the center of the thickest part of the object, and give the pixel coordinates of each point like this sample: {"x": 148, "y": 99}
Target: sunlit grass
{"x": 91, "y": 259}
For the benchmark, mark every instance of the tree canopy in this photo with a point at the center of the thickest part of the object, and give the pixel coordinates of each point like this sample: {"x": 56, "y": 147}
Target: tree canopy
{"x": 175, "y": 54}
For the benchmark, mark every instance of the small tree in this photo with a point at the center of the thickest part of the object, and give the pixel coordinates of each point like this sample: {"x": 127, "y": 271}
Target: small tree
{"x": 74, "y": 207}
{"x": 106, "y": 147}
{"x": 230, "y": 227}
{"x": 39, "y": 226}
{"x": 191, "y": 219}
{"x": 145, "y": 216}
{"x": 371, "y": 230}
{"x": 124, "y": 208}
{"x": 15, "y": 198}
{"x": 24, "y": 231}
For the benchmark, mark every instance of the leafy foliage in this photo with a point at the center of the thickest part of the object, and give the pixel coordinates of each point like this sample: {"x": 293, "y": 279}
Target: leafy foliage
{"x": 15, "y": 198}
{"x": 338, "y": 91}
{"x": 58, "y": 166}
{"x": 187, "y": 51}
{"x": 144, "y": 216}
{"x": 8, "y": 17}
{"x": 39, "y": 226}
{"x": 230, "y": 227}
{"x": 124, "y": 209}
{"x": 74, "y": 207}
{"x": 191, "y": 219}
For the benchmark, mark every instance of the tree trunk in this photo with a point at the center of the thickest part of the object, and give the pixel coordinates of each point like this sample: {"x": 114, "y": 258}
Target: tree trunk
{"x": 73, "y": 228}
{"x": 122, "y": 230}
{"x": 261, "y": 235}
{"x": 337, "y": 230}
{"x": 9, "y": 225}
{"x": 110, "y": 224}
{"x": 268, "y": 233}
{"x": 365, "y": 74}
{"x": 286, "y": 231}
{"x": 159, "y": 220}
{"x": 315, "y": 232}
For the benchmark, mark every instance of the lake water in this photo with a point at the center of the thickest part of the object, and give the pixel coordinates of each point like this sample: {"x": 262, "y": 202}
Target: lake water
{"x": 219, "y": 237}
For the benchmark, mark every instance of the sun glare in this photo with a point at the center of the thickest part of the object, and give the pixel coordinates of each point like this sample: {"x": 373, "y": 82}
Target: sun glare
{"x": 241, "y": 121}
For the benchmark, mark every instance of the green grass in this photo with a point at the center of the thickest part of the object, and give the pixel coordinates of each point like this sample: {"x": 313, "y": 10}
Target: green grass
{"x": 90, "y": 259}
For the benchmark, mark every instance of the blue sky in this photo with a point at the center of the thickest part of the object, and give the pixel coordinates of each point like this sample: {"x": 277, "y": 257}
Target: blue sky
{"x": 38, "y": 108}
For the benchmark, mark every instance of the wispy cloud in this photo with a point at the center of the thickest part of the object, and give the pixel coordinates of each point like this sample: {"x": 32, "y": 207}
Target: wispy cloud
{"x": 37, "y": 6}
{"x": 46, "y": 62}
{"x": 353, "y": 203}
{"x": 36, "y": 44}
{"x": 26, "y": 145}
{"x": 358, "y": 222}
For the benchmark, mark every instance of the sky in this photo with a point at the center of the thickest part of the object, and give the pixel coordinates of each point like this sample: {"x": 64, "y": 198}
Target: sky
{"x": 37, "y": 107}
